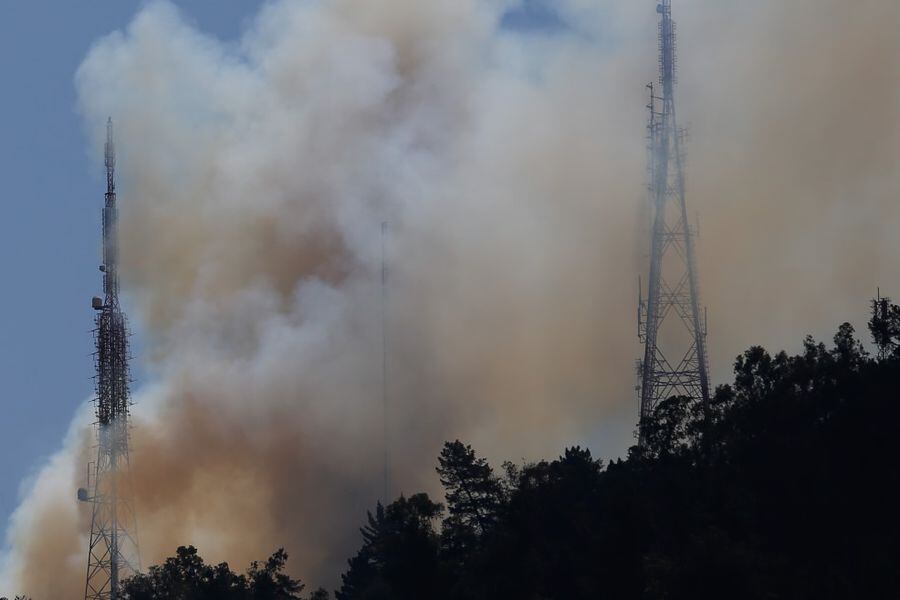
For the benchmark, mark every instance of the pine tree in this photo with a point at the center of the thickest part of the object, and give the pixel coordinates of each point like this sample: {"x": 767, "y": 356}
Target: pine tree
{"x": 399, "y": 556}
{"x": 474, "y": 495}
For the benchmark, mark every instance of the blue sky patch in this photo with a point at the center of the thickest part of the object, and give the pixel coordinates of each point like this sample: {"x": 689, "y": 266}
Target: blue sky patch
{"x": 537, "y": 16}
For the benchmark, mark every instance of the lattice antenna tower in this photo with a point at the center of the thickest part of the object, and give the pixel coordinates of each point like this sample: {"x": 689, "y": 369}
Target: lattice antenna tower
{"x": 670, "y": 323}
{"x": 113, "y": 548}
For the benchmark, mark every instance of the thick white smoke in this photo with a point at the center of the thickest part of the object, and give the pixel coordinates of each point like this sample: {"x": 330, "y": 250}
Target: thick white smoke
{"x": 255, "y": 178}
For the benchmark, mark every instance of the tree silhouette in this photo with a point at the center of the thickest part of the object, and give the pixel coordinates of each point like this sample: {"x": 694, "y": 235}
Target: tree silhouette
{"x": 474, "y": 496}
{"x": 399, "y": 556}
{"x": 266, "y": 581}
{"x": 885, "y": 327}
{"x": 187, "y": 577}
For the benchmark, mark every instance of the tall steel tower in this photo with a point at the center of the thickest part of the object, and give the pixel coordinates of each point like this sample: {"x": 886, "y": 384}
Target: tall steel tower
{"x": 669, "y": 320}
{"x": 113, "y": 550}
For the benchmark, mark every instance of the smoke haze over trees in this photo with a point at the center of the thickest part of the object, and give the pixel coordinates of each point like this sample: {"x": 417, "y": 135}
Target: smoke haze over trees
{"x": 255, "y": 177}
{"x": 788, "y": 490}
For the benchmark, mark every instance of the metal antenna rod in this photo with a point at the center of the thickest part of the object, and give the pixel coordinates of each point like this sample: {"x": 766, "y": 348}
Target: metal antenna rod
{"x": 384, "y": 367}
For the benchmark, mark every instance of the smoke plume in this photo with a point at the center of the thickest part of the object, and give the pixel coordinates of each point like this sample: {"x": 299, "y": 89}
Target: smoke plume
{"x": 254, "y": 178}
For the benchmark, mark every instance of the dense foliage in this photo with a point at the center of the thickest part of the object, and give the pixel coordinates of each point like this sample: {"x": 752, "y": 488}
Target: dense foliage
{"x": 187, "y": 577}
{"x": 785, "y": 488}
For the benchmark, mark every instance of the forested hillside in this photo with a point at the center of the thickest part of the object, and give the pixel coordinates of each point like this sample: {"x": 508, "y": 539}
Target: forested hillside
{"x": 785, "y": 487}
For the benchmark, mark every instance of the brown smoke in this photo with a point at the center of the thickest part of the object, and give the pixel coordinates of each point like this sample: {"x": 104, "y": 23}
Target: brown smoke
{"x": 254, "y": 180}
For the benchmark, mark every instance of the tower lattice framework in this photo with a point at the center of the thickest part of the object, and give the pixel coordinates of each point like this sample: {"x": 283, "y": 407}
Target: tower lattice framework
{"x": 670, "y": 323}
{"x": 113, "y": 549}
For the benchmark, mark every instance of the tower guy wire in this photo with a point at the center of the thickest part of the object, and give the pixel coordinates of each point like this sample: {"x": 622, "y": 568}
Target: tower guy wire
{"x": 670, "y": 324}
{"x": 113, "y": 553}
{"x": 384, "y": 367}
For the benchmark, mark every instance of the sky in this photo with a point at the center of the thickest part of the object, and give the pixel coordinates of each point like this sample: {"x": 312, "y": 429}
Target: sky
{"x": 53, "y": 190}
{"x": 49, "y": 238}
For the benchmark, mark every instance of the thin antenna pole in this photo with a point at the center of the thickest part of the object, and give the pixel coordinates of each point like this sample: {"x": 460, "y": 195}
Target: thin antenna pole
{"x": 384, "y": 368}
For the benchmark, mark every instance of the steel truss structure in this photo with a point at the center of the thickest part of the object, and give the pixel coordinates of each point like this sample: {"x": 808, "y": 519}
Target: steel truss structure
{"x": 670, "y": 324}
{"x": 113, "y": 549}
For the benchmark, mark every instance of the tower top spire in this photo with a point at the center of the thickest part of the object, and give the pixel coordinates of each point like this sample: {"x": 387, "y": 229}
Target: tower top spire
{"x": 110, "y": 222}
{"x": 667, "y": 47}
{"x": 110, "y": 158}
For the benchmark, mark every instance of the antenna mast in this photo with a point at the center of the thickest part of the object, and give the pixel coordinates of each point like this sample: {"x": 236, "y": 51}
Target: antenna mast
{"x": 669, "y": 319}
{"x": 113, "y": 549}
{"x": 384, "y": 367}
